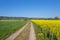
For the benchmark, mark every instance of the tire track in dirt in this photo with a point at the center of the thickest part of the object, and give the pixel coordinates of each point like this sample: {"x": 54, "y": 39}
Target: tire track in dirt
{"x": 32, "y": 35}
{"x": 24, "y": 35}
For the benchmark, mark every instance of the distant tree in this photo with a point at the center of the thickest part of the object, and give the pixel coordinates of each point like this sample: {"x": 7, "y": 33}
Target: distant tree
{"x": 1, "y": 17}
{"x": 56, "y": 17}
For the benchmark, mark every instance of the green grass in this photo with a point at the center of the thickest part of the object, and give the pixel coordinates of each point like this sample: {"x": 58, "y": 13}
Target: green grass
{"x": 9, "y": 27}
{"x": 38, "y": 30}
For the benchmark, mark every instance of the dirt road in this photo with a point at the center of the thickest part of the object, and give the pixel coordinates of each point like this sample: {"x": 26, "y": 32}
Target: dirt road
{"x": 25, "y": 33}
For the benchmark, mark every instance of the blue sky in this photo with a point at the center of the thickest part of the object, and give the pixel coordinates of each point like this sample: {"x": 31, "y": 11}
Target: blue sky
{"x": 30, "y": 8}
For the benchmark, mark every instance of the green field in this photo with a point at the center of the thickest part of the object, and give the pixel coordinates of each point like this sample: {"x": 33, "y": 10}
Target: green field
{"x": 9, "y": 27}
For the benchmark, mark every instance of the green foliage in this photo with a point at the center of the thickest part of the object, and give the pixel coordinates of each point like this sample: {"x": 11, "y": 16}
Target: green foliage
{"x": 56, "y": 17}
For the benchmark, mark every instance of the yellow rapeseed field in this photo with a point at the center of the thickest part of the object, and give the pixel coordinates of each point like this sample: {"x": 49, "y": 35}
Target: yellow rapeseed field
{"x": 52, "y": 25}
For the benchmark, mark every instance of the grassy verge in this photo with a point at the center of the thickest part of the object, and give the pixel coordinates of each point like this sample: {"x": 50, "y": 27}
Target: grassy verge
{"x": 9, "y": 27}
{"x": 43, "y": 34}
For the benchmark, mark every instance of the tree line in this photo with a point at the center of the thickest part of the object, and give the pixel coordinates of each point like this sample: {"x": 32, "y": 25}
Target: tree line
{"x": 25, "y": 18}
{"x": 12, "y": 18}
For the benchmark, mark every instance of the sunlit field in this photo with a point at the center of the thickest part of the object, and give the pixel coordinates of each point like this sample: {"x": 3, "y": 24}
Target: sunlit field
{"x": 47, "y": 29}
{"x": 7, "y": 27}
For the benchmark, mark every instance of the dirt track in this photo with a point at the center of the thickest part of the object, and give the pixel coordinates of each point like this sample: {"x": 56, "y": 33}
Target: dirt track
{"x": 25, "y": 33}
